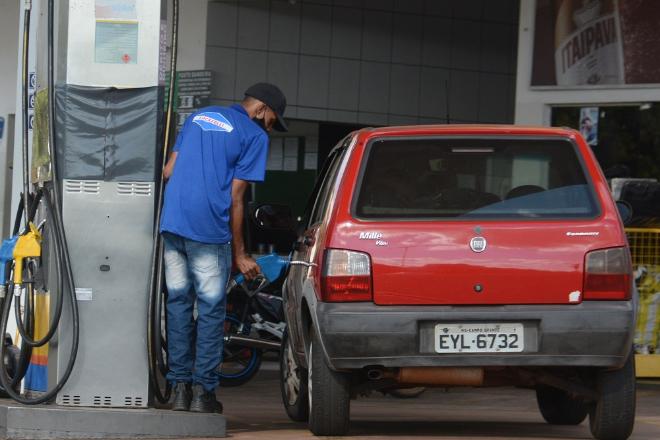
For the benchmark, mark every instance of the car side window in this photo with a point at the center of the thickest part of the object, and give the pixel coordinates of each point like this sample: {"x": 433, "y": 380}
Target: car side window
{"x": 311, "y": 201}
{"x": 315, "y": 207}
{"x": 328, "y": 183}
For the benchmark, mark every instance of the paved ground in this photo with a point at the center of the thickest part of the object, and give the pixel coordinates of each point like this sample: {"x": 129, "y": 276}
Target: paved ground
{"x": 254, "y": 411}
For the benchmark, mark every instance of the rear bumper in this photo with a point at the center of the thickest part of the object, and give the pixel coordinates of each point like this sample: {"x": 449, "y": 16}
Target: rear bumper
{"x": 364, "y": 334}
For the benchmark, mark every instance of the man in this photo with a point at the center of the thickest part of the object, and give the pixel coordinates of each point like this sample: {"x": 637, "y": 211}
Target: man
{"x": 217, "y": 153}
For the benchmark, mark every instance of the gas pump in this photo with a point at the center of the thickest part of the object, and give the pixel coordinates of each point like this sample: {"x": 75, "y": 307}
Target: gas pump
{"x": 27, "y": 245}
{"x": 101, "y": 253}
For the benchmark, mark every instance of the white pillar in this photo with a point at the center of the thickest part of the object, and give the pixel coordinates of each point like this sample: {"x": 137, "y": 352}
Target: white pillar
{"x": 192, "y": 34}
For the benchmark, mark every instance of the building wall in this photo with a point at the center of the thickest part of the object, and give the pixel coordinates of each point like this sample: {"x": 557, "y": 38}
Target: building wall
{"x": 192, "y": 33}
{"x": 9, "y": 18}
{"x": 379, "y": 62}
{"x": 534, "y": 105}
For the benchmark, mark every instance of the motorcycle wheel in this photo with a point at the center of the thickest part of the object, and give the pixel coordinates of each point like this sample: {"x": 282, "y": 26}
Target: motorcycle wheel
{"x": 239, "y": 363}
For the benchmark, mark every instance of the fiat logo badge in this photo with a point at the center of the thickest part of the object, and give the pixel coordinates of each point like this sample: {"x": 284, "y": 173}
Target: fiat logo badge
{"x": 478, "y": 244}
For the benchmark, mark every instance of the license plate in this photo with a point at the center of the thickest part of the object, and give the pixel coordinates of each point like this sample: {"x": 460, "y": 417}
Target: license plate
{"x": 479, "y": 338}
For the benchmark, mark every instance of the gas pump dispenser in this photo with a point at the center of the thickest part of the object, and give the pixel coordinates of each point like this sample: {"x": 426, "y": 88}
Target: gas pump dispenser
{"x": 108, "y": 105}
{"x": 101, "y": 255}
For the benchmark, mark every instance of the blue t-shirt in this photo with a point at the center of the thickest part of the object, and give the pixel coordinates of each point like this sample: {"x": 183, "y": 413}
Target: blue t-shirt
{"x": 215, "y": 146}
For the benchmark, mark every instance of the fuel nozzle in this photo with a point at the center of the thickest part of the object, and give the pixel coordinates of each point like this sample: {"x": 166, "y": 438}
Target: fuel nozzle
{"x": 6, "y": 256}
{"x": 28, "y": 245}
{"x": 272, "y": 267}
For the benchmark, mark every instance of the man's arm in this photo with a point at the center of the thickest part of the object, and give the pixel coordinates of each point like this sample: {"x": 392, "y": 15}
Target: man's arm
{"x": 246, "y": 264}
{"x": 169, "y": 167}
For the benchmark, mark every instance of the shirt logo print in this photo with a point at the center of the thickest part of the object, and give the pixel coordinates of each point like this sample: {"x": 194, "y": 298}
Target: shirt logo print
{"x": 211, "y": 121}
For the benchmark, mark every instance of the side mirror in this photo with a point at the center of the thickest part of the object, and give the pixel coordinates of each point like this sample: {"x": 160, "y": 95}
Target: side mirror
{"x": 274, "y": 217}
{"x": 625, "y": 211}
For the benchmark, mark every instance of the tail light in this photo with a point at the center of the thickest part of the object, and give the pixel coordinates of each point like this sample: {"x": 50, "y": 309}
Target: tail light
{"x": 608, "y": 274}
{"x": 346, "y": 276}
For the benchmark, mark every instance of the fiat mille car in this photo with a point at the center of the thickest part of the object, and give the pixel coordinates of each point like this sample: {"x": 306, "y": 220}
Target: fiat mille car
{"x": 461, "y": 256}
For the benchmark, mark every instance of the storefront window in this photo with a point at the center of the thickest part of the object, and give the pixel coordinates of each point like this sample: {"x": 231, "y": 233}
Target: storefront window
{"x": 625, "y": 139}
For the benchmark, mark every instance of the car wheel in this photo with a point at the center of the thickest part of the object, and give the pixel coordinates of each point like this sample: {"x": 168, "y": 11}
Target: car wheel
{"x": 612, "y": 417}
{"x": 558, "y": 408}
{"x": 329, "y": 397}
{"x": 293, "y": 383}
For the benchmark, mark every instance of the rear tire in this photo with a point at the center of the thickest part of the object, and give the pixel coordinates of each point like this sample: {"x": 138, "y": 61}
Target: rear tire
{"x": 329, "y": 396}
{"x": 293, "y": 383}
{"x": 612, "y": 417}
{"x": 558, "y": 408}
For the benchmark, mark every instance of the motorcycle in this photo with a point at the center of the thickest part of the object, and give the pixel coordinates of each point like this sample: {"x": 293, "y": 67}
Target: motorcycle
{"x": 254, "y": 322}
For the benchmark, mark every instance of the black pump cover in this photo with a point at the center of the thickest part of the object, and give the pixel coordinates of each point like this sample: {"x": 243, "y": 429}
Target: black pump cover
{"x": 107, "y": 133}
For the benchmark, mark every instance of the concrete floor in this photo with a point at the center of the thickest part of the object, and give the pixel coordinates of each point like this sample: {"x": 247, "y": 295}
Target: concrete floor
{"x": 254, "y": 411}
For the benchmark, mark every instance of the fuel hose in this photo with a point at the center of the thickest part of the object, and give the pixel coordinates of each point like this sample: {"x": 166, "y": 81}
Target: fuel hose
{"x": 155, "y": 339}
{"x": 55, "y": 221}
{"x": 59, "y": 291}
{"x": 25, "y": 83}
{"x": 25, "y": 351}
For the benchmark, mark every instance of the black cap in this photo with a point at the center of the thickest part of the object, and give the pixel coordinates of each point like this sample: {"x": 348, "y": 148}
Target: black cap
{"x": 273, "y": 97}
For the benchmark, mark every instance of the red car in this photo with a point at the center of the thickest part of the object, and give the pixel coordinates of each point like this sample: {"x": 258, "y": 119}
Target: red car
{"x": 462, "y": 256}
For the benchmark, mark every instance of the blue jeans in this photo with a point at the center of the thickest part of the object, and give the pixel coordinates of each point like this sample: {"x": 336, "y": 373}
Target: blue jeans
{"x": 195, "y": 270}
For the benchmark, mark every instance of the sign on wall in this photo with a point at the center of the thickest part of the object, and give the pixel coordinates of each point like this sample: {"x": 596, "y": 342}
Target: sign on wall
{"x": 596, "y": 42}
{"x": 283, "y": 154}
{"x": 32, "y": 90}
{"x": 116, "y": 34}
{"x": 589, "y": 124}
{"x": 192, "y": 91}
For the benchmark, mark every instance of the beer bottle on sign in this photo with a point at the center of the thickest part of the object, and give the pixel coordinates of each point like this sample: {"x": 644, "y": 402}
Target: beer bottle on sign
{"x": 588, "y": 44}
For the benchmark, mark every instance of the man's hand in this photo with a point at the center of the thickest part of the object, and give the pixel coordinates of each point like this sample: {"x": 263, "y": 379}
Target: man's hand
{"x": 169, "y": 167}
{"x": 247, "y": 266}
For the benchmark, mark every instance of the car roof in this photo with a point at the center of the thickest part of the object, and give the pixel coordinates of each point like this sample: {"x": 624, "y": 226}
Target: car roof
{"x": 465, "y": 129}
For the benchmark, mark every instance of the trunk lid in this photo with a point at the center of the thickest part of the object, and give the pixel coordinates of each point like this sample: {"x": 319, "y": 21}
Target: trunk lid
{"x": 436, "y": 264}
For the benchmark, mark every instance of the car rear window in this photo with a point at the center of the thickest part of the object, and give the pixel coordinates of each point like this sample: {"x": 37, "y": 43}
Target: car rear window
{"x": 474, "y": 178}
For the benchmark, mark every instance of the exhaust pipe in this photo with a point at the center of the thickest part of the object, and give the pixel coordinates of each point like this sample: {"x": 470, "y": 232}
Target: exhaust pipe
{"x": 436, "y": 376}
{"x": 252, "y": 342}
